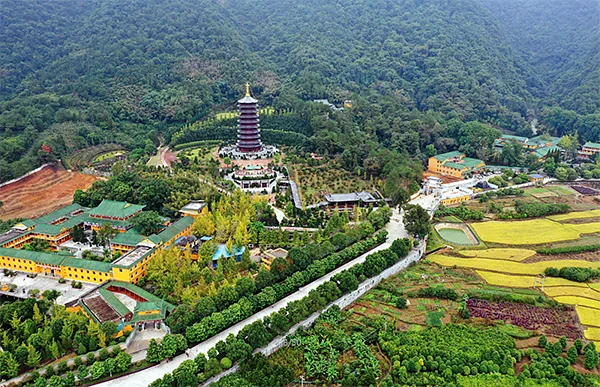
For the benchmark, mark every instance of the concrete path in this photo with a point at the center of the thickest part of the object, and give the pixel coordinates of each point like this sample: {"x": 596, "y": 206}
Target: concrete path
{"x": 395, "y": 230}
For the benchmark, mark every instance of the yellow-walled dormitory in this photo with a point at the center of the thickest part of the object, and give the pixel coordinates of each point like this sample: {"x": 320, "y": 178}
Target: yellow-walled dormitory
{"x": 56, "y": 228}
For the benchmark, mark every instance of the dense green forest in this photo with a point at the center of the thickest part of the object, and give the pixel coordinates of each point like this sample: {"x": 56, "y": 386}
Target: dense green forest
{"x": 77, "y": 73}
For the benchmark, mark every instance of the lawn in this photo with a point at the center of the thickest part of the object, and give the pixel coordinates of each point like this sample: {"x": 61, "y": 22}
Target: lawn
{"x": 527, "y": 232}
{"x": 107, "y": 155}
{"x": 507, "y": 254}
{"x": 203, "y": 154}
{"x": 155, "y": 161}
{"x": 509, "y": 267}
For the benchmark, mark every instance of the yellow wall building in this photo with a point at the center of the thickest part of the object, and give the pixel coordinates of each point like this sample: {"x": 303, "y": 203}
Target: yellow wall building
{"x": 130, "y": 268}
{"x": 454, "y": 164}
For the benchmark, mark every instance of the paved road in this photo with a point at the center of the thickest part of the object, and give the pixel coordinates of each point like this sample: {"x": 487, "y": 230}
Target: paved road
{"x": 143, "y": 378}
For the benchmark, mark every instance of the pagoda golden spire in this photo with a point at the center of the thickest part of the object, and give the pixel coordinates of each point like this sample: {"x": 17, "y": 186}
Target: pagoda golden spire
{"x": 248, "y": 89}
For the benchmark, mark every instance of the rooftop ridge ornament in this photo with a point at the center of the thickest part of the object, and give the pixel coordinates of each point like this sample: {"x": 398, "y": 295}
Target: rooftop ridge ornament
{"x": 248, "y": 89}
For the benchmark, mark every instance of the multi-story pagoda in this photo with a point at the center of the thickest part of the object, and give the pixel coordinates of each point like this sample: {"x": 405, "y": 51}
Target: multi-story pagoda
{"x": 249, "y": 145}
{"x": 248, "y": 139}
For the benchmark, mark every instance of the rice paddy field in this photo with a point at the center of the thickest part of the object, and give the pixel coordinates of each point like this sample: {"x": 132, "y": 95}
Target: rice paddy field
{"x": 504, "y": 266}
{"x": 524, "y": 281}
{"x": 509, "y": 254}
{"x": 526, "y": 232}
{"x": 575, "y": 215}
{"x": 512, "y": 260}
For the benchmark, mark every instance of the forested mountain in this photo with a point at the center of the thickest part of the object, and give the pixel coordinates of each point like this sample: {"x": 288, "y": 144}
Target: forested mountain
{"x": 74, "y": 73}
{"x": 560, "y": 41}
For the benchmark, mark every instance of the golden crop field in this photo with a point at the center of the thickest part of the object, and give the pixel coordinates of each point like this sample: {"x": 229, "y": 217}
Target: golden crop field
{"x": 588, "y": 316}
{"x": 524, "y": 281}
{"x": 509, "y": 267}
{"x": 575, "y": 215}
{"x": 574, "y": 300}
{"x": 592, "y": 334}
{"x": 526, "y": 232}
{"x": 579, "y": 291}
{"x": 585, "y": 228}
{"x": 509, "y": 254}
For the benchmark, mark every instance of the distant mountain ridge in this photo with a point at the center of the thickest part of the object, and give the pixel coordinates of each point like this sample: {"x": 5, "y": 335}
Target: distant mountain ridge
{"x": 75, "y": 72}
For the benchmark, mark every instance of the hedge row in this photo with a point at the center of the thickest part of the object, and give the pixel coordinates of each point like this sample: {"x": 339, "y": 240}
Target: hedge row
{"x": 247, "y": 306}
{"x": 567, "y": 249}
{"x": 577, "y": 274}
{"x": 258, "y": 334}
{"x": 194, "y": 144}
{"x": 224, "y": 133}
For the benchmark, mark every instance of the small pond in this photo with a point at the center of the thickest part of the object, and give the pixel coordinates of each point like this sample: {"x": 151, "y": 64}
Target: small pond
{"x": 455, "y": 235}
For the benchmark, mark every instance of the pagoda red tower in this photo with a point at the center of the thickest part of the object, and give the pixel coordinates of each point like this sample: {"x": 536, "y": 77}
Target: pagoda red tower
{"x": 248, "y": 139}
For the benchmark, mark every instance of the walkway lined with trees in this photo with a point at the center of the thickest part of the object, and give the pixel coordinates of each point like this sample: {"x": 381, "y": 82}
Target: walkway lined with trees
{"x": 395, "y": 229}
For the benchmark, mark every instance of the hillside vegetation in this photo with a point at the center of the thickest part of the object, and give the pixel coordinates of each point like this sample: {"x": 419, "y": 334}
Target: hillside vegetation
{"x": 79, "y": 73}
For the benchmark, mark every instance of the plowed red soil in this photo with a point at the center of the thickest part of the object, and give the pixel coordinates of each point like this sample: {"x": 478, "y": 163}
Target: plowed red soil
{"x": 42, "y": 192}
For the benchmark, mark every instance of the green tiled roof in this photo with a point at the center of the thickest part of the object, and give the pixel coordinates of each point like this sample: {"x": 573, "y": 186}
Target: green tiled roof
{"x": 128, "y": 238}
{"x": 111, "y": 208}
{"x": 113, "y": 301}
{"x": 147, "y": 317}
{"x": 146, "y": 306}
{"x": 542, "y": 152}
{"x": 58, "y": 213}
{"x": 175, "y": 228}
{"x": 48, "y": 229}
{"x": 88, "y": 264}
{"x": 100, "y": 221}
{"x": 155, "y": 238}
{"x": 448, "y": 155}
{"x": 28, "y": 222}
{"x": 470, "y": 162}
{"x": 47, "y": 258}
{"x": 508, "y": 137}
{"x": 594, "y": 145}
{"x": 74, "y": 221}
{"x": 142, "y": 293}
{"x": 537, "y": 140}
{"x": 455, "y": 165}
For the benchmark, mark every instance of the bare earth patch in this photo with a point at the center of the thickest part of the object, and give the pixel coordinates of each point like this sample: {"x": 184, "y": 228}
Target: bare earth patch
{"x": 42, "y": 192}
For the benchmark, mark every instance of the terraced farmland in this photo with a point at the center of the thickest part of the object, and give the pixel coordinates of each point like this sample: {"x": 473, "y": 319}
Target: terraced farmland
{"x": 508, "y": 267}
{"x": 508, "y": 254}
{"x": 526, "y": 232}
{"x": 524, "y": 281}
